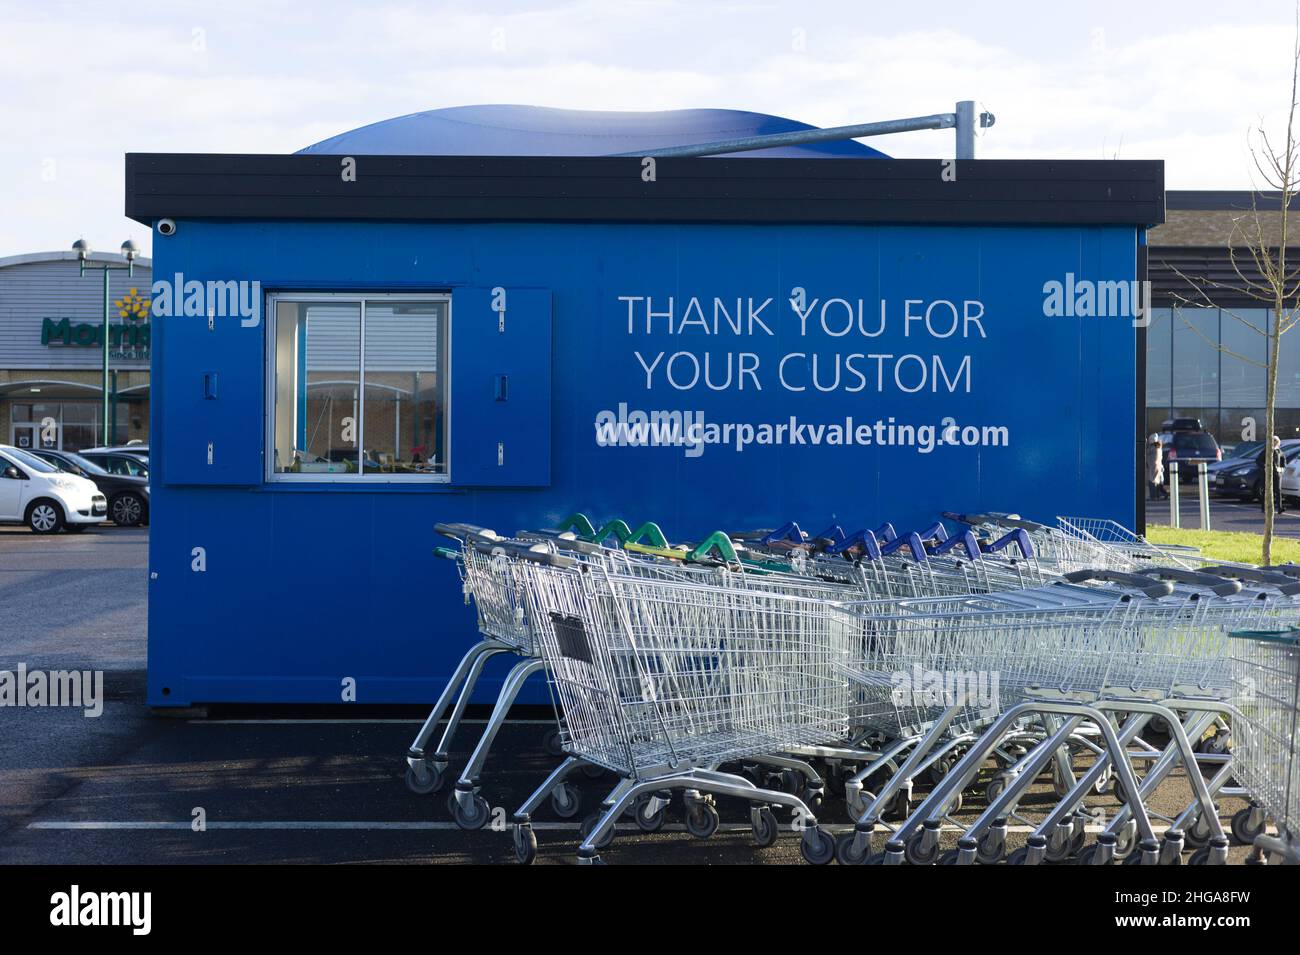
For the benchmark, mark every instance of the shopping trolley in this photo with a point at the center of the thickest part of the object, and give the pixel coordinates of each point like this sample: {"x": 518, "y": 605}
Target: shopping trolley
{"x": 1076, "y": 543}
{"x": 1126, "y": 646}
{"x": 661, "y": 682}
{"x": 1266, "y": 671}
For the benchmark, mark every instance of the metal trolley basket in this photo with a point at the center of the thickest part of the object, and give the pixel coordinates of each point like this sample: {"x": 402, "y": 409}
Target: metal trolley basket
{"x": 1266, "y": 671}
{"x": 662, "y": 681}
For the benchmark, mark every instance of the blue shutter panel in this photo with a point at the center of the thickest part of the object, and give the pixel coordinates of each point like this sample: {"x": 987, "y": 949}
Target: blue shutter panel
{"x": 501, "y": 387}
{"x": 212, "y": 392}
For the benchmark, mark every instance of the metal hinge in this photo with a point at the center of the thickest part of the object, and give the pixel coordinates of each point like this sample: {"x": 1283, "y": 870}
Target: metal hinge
{"x": 501, "y": 453}
{"x": 209, "y": 452}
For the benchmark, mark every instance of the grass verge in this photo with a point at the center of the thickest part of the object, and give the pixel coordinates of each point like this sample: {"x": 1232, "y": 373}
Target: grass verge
{"x": 1226, "y": 545}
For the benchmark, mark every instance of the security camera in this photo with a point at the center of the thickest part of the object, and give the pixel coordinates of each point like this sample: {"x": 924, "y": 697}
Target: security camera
{"x": 166, "y": 226}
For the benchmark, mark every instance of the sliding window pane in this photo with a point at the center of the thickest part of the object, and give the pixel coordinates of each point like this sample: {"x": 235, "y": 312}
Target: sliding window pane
{"x": 405, "y": 379}
{"x": 317, "y": 387}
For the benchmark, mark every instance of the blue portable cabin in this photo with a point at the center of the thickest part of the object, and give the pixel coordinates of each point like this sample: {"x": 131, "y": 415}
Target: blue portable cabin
{"x": 389, "y": 330}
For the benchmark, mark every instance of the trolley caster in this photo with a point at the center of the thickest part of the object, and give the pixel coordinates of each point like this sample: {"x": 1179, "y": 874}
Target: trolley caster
{"x": 525, "y": 841}
{"x": 992, "y": 845}
{"x": 1247, "y": 824}
{"x": 1147, "y": 853}
{"x": 592, "y": 771}
{"x": 701, "y": 820}
{"x": 551, "y": 744}
{"x": 593, "y": 859}
{"x": 763, "y": 824}
{"x": 996, "y": 787}
{"x": 939, "y": 769}
{"x": 650, "y": 811}
{"x": 429, "y": 778}
{"x": 1198, "y": 833}
{"x": 1212, "y": 854}
{"x": 588, "y": 826}
{"x": 471, "y": 813}
{"x": 565, "y": 801}
{"x": 1089, "y": 855}
{"x": 900, "y": 807}
{"x": 1171, "y": 848}
{"x": 852, "y": 850}
{"x": 789, "y": 781}
{"x": 923, "y": 847}
{"x": 856, "y": 800}
{"x": 817, "y": 846}
{"x": 950, "y": 857}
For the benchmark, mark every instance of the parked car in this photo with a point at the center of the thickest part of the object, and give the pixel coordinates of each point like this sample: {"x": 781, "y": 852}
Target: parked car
{"x": 36, "y": 493}
{"x": 1181, "y": 424}
{"x": 1189, "y": 448}
{"x": 118, "y": 462}
{"x": 1241, "y": 477}
{"x": 128, "y": 496}
{"x": 139, "y": 450}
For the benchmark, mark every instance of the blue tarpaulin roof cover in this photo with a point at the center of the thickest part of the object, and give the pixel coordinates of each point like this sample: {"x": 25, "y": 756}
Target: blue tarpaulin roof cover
{"x": 500, "y": 130}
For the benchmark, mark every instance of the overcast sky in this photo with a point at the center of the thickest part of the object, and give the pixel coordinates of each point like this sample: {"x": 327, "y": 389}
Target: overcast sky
{"x": 83, "y": 83}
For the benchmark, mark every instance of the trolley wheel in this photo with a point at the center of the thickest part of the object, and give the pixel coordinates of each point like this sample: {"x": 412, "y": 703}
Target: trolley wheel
{"x": 588, "y": 826}
{"x": 525, "y": 841}
{"x": 991, "y": 848}
{"x": 473, "y": 817}
{"x": 1117, "y": 790}
{"x": 956, "y": 804}
{"x": 846, "y": 854}
{"x": 1019, "y": 856}
{"x": 565, "y": 801}
{"x": 431, "y": 781}
{"x": 1217, "y": 744}
{"x": 1242, "y": 829}
{"x": 949, "y": 857}
{"x": 791, "y": 781}
{"x": 763, "y": 823}
{"x": 916, "y": 855}
{"x": 551, "y": 743}
{"x": 901, "y": 805}
{"x": 1086, "y": 855}
{"x": 646, "y": 820}
{"x": 1060, "y": 785}
{"x": 857, "y": 801}
{"x": 939, "y": 769}
{"x": 817, "y": 846}
{"x": 814, "y": 799}
{"x": 592, "y": 771}
{"x": 996, "y": 787}
{"x": 1198, "y": 834}
{"x": 701, "y": 820}
{"x": 1060, "y": 846}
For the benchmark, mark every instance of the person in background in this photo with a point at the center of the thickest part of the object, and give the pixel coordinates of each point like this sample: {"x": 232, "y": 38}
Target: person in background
{"x": 1156, "y": 468}
{"x": 1274, "y": 461}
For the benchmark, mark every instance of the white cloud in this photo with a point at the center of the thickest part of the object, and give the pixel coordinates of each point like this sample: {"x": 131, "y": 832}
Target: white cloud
{"x": 1184, "y": 83}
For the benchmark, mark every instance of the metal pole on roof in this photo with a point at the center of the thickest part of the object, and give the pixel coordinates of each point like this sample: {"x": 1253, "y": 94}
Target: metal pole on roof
{"x": 965, "y": 120}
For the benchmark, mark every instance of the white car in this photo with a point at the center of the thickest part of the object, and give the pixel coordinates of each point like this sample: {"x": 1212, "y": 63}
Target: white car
{"x": 1291, "y": 481}
{"x": 37, "y": 494}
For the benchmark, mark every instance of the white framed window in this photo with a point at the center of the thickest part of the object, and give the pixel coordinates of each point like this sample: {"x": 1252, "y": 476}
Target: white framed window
{"x": 358, "y": 387}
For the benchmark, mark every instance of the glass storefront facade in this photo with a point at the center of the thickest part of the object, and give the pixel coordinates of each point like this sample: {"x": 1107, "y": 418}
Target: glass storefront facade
{"x": 1211, "y": 363}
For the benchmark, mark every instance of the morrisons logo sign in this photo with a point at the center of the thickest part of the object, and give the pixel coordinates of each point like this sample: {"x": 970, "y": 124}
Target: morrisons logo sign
{"x": 130, "y": 339}
{"x": 124, "y": 341}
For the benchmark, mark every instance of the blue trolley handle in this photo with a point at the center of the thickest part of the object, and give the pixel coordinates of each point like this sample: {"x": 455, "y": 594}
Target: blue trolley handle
{"x": 966, "y": 540}
{"x": 935, "y": 532}
{"x": 789, "y": 531}
{"x": 913, "y": 543}
{"x": 885, "y": 532}
{"x": 1019, "y": 537}
{"x": 863, "y": 538}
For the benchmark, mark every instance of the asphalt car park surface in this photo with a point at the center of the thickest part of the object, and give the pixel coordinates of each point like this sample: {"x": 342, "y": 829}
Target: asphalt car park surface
{"x": 277, "y": 786}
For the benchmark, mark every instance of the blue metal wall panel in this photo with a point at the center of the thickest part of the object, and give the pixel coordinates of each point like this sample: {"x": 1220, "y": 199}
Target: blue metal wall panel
{"x": 305, "y": 586}
{"x": 501, "y": 387}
